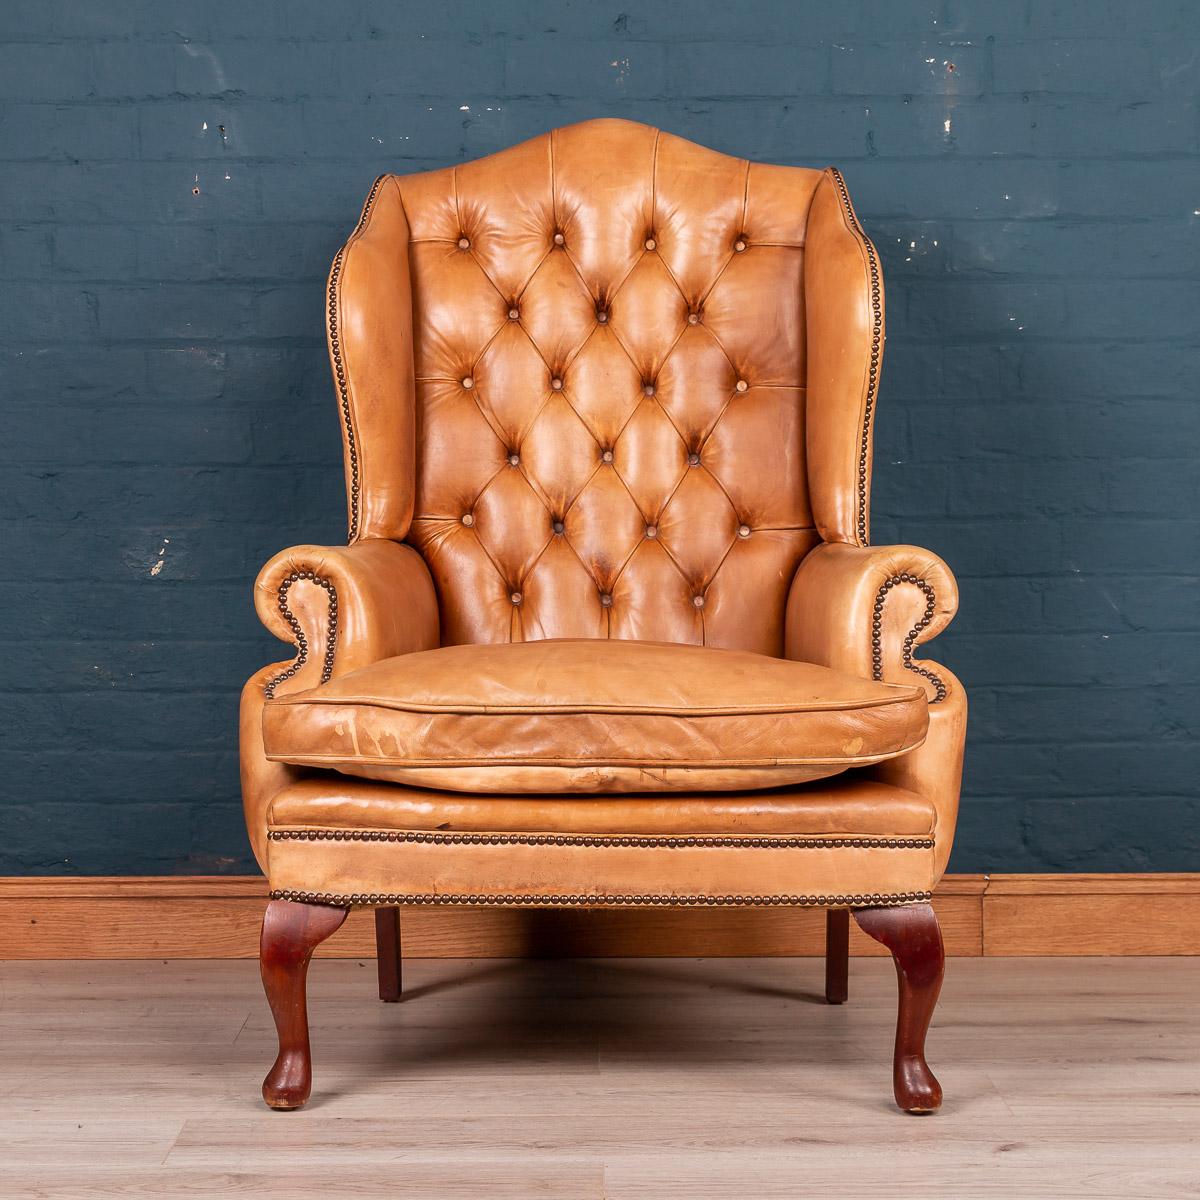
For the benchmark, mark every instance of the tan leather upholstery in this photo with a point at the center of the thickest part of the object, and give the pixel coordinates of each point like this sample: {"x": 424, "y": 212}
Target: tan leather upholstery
{"x": 610, "y": 420}
{"x": 605, "y": 385}
{"x": 843, "y": 842}
{"x": 594, "y": 716}
{"x": 865, "y": 610}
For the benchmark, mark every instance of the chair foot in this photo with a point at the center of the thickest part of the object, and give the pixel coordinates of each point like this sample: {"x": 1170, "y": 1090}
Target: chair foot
{"x": 388, "y": 951}
{"x": 913, "y": 936}
{"x": 290, "y": 934}
{"x": 837, "y": 955}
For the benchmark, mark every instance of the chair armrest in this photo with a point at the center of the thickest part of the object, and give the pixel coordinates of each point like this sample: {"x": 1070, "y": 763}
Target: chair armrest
{"x": 345, "y": 607}
{"x": 864, "y": 610}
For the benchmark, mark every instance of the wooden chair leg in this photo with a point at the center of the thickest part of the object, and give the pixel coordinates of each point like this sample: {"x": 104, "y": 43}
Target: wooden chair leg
{"x": 388, "y": 949}
{"x": 912, "y": 934}
{"x": 290, "y": 934}
{"x": 837, "y": 955}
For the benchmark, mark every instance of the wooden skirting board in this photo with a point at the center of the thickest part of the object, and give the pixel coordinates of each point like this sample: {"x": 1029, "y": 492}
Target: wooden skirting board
{"x": 219, "y": 917}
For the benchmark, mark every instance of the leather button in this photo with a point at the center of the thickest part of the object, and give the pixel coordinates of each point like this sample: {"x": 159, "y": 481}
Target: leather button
{"x": 558, "y": 527}
{"x": 743, "y": 531}
{"x": 606, "y": 456}
{"x": 740, "y": 245}
{"x": 693, "y": 318}
{"x": 648, "y": 388}
{"x": 651, "y": 244}
{"x": 602, "y": 316}
{"x": 693, "y": 459}
{"x": 468, "y": 382}
{"x": 652, "y": 531}
{"x": 742, "y": 385}
{"x": 556, "y": 384}
{"x": 513, "y": 459}
{"x": 698, "y": 601}
{"x": 514, "y": 314}
{"x": 515, "y": 597}
{"x": 606, "y": 600}
{"x": 468, "y": 519}
{"x": 464, "y": 243}
{"x": 559, "y": 239}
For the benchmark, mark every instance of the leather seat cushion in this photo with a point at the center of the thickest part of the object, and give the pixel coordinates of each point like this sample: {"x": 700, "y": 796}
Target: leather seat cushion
{"x": 593, "y": 716}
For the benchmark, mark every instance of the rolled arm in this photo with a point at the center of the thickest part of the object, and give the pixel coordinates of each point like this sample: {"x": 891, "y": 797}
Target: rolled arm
{"x": 343, "y": 607}
{"x": 865, "y": 610}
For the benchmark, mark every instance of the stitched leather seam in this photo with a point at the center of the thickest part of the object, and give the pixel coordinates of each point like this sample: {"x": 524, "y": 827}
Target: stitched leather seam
{"x": 298, "y": 632}
{"x": 911, "y": 638}
{"x": 532, "y": 708}
{"x": 864, "y": 448}
{"x": 299, "y": 758}
{"x": 335, "y": 350}
{"x": 598, "y": 840}
{"x": 559, "y": 900}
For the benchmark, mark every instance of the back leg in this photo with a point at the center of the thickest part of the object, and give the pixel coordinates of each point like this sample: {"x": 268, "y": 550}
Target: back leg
{"x": 388, "y": 948}
{"x": 837, "y": 955}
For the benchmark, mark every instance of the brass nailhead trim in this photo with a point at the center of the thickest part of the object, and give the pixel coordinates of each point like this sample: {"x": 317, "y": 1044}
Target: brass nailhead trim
{"x": 911, "y": 639}
{"x": 298, "y": 633}
{"x": 582, "y": 839}
{"x": 335, "y": 350}
{"x": 864, "y": 448}
{"x": 562, "y": 900}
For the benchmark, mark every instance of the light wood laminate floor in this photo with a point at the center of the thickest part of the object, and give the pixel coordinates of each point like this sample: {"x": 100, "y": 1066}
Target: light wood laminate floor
{"x": 625, "y": 1079}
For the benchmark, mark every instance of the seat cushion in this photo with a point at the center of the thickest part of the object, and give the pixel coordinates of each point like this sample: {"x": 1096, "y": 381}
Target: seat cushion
{"x": 839, "y": 841}
{"x": 593, "y": 716}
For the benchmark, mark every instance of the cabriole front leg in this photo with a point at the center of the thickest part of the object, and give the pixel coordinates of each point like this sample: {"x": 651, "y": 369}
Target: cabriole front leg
{"x": 912, "y": 934}
{"x": 290, "y": 934}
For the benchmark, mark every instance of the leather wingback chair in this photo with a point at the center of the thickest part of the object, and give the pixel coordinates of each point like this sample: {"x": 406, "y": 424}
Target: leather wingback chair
{"x": 608, "y": 630}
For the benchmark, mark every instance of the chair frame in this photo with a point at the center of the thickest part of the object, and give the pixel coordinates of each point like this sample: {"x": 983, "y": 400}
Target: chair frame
{"x": 849, "y": 608}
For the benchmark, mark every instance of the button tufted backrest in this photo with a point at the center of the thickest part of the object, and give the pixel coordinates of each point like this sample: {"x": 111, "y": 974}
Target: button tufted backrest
{"x": 609, "y": 365}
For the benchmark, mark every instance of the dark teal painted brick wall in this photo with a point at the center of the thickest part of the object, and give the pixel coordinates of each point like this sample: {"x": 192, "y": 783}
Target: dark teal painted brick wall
{"x": 175, "y": 178}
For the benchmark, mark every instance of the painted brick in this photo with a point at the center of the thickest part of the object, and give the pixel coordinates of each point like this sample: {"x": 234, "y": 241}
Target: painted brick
{"x": 731, "y": 68}
{"x": 55, "y": 71}
{"x": 177, "y": 176}
{"x": 908, "y": 68}
{"x": 1094, "y": 66}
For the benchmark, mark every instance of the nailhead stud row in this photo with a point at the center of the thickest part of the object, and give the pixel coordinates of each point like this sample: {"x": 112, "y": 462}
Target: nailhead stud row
{"x": 579, "y": 839}
{"x": 875, "y": 900}
{"x": 335, "y": 352}
{"x": 864, "y": 449}
{"x": 911, "y": 638}
{"x": 298, "y": 633}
